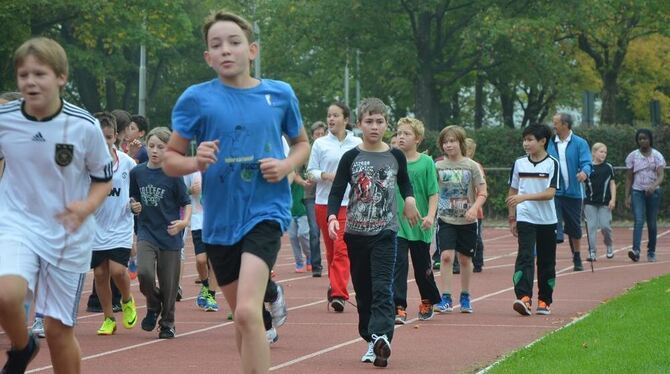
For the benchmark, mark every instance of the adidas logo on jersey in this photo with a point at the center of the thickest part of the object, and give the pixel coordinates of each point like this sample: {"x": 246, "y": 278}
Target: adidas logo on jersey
{"x": 38, "y": 137}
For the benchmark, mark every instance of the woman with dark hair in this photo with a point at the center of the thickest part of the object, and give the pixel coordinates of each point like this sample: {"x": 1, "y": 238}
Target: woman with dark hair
{"x": 643, "y": 180}
{"x": 326, "y": 154}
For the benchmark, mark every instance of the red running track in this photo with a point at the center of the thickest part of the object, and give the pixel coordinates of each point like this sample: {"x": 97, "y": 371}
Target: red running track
{"x": 314, "y": 339}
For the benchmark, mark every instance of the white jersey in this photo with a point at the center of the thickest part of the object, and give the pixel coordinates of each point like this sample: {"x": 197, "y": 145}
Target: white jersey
{"x": 114, "y": 217}
{"x": 48, "y": 165}
{"x": 530, "y": 177}
{"x": 196, "y": 204}
{"x": 325, "y": 156}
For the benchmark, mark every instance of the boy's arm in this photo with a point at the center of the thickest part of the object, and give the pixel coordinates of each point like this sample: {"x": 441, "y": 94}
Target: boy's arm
{"x": 313, "y": 170}
{"x": 177, "y": 164}
{"x": 275, "y": 170}
{"x": 406, "y": 190}
{"x": 76, "y": 212}
{"x": 511, "y": 211}
{"x": 585, "y": 162}
{"x": 629, "y": 184}
{"x": 175, "y": 227}
{"x": 342, "y": 177}
{"x": 429, "y": 219}
{"x": 612, "y": 188}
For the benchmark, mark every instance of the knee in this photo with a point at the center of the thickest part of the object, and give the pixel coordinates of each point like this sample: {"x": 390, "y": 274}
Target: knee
{"x": 57, "y": 332}
{"x": 445, "y": 257}
{"x": 248, "y": 316}
{"x": 11, "y": 293}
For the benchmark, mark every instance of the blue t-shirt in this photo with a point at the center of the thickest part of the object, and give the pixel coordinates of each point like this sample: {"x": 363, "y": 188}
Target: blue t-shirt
{"x": 162, "y": 197}
{"x": 248, "y": 124}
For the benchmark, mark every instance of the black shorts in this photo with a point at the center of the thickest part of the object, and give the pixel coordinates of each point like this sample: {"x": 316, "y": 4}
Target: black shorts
{"x": 462, "y": 238}
{"x": 569, "y": 212}
{"x": 263, "y": 241}
{"x": 118, "y": 255}
{"x": 198, "y": 245}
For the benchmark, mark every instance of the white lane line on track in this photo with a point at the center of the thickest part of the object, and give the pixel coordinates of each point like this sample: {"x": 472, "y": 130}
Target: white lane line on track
{"x": 325, "y": 350}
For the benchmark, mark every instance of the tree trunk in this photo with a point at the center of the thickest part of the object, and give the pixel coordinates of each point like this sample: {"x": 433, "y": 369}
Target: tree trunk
{"x": 507, "y": 105}
{"x": 87, "y": 85}
{"x": 455, "y": 108}
{"x": 479, "y": 101}
{"x": 111, "y": 95}
{"x": 609, "y": 95}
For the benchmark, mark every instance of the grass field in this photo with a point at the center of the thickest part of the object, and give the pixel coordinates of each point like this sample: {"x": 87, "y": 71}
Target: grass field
{"x": 628, "y": 334}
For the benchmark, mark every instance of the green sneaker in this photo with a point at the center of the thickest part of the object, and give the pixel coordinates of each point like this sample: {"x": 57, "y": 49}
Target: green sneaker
{"x": 108, "y": 327}
{"x": 129, "y": 313}
{"x": 211, "y": 304}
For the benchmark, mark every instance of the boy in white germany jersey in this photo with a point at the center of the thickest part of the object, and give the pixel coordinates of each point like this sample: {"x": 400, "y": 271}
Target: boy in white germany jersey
{"x": 58, "y": 171}
{"x": 114, "y": 236}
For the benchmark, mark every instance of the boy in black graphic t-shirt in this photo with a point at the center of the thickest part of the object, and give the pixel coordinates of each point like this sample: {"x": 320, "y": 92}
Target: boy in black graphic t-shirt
{"x": 372, "y": 169}
{"x": 600, "y": 200}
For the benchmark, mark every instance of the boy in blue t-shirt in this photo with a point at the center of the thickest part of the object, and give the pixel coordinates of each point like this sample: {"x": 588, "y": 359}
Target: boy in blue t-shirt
{"x": 238, "y": 122}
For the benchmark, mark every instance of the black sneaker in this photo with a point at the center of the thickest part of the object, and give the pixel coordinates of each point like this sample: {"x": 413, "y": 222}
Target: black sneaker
{"x": 17, "y": 361}
{"x": 166, "y": 333}
{"x": 477, "y": 269}
{"x": 116, "y": 308}
{"x": 179, "y": 294}
{"x": 149, "y": 322}
{"x": 634, "y": 255}
{"x": 577, "y": 261}
{"x": 337, "y": 304}
{"x": 316, "y": 274}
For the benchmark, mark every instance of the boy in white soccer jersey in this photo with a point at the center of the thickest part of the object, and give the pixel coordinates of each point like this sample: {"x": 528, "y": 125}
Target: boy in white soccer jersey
{"x": 47, "y": 196}
{"x": 532, "y": 218}
{"x": 114, "y": 236}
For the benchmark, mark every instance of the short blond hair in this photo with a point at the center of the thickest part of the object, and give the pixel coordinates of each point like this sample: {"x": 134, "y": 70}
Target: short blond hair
{"x": 597, "y": 147}
{"x": 162, "y": 133}
{"x": 416, "y": 125}
{"x": 225, "y": 16}
{"x": 470, "y": 144}
{"x": 46, "y": 51}
{"x": 455, "y": 131}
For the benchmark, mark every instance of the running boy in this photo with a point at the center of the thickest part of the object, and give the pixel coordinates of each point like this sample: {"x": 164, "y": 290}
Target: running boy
{"x": 416, "y": 239}
{"x": 159, "y": 233}
{"x": 47, "y": 196}
{"x": 238, "y": 122}
{"x": 373, "y": 170}
{"x": 114, "y": 235}
{"x": 600, "y": 200}
{"x": 532, "y": 218}
{"x": 462, "y": 194}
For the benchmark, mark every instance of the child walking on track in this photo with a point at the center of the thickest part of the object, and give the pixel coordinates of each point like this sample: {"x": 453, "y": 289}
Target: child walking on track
{"x": 532, "y": 218}
{"x": 238, "y": 122}
{"x": 372, "y": 170}
{"x": 58, "y": 171}
{"x": 600, "y": 200}
{"x": 416, "y": 239}
{"x": 326, "y": 154}
{"x": 462, "y": 194}
{"x": 114, "y": 236}
{"x": 159, "y": 233}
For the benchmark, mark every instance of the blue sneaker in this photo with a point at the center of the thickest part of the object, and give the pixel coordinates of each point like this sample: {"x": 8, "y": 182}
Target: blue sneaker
{"x": 465, "y": 303}
{"x": 212, "y": 305}
{"x": 201, "y": 300}
{"x": 445, "y": 304}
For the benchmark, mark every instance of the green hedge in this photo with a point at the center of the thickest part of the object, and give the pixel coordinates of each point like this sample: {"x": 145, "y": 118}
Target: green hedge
{"x": 498, "y": 147}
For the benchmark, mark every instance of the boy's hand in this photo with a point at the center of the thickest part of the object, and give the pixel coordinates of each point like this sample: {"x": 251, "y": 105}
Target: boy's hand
{"x": 611, "y": 205}
{"x": 471, "y": 214}
{"x": 410, "y": 212}
{"x": 514, "y": 200}
{"x": 74, "y": 215}
{"x": 135, "y": 207}
{"x": 196, "y": 188}
{"x": 627, "y": 202}
{"x": 333, "y": 228}
{"x": 427, "y": 222}
{"x": 581, "y": 176}
{"x": 134, "y": 147}
{"x": 176, "y": 227}
{"x": 207, "y": 154}
{"x": 328, "y": 176}
{"x": 274, "y": 170}
{"x": 512, "y": 228}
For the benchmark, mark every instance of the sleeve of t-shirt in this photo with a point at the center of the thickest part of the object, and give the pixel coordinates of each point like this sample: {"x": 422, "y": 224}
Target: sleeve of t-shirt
{"x": 610, "y": 168}
{"x": 342, "y": 178}
{"x": 660, "y": 160}
{"x": 555, "y": 180}
{"x": 182, "y": 193}
{"x": 186, "y": 116}
{"x": 402, "y": 180}
{"x": 292, "y": 118}
{"x": 514, "y": 177}
{"x": 134, "y": 187}
{"x": 630, "y": 160}
{"x": 98, "y": 160}
{"x": 142, "y": 155}
{"x": 477, "y": 173}
{"x": 432, "y": 186}
{"x": 313, "y": 167}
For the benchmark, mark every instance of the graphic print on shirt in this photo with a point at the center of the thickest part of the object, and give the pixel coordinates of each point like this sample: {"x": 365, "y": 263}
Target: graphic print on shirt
{"x": 238, "y": 158}
{"x": 151, "y": 195}
{"x": 454, "y": 185}
{"x": 372, "y": 205}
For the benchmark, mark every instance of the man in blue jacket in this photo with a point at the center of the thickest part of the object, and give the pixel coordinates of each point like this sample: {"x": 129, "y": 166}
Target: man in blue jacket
{"x": 574, "y": 160}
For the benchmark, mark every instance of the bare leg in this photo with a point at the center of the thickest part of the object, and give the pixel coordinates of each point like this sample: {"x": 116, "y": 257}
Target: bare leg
{"x": 63, "y": 346}
{"x": 103, "y": 288}
{"x": 446, "y": 274}
{"x": 12, "y": 312}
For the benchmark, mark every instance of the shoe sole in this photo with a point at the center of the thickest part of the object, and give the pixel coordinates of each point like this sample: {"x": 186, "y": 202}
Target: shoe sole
{"x": 610, "y": 256}
{"x": 446, "y": 311}
{"x": 337, "y": 305}
{"x": 382, "y": 353}
{"x": 468, "y": 311}
{"x": 426, "y": 318}
{"x": 399, "y": 321}
{"x": 633, "y": 257}
{"x": 521, "y": 308}
{"x": 543, "y": 312}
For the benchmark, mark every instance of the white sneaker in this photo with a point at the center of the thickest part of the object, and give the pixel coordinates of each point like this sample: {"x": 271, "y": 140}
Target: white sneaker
{"x": 610, "y": 252}
{"x": 278, "y": 308}
{"x": 38, "y": 328}
{"x": 369, "y": 356}
{"x": 271, "y": 335}
{"x": 382, "y": 349}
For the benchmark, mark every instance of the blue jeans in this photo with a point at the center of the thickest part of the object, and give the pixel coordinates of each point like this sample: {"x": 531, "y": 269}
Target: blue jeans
{"x": 314, "y": 236}
{"x": 645, "y": 207}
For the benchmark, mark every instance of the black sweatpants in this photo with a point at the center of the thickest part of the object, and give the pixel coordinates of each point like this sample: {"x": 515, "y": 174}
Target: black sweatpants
{"x": 542, "y": 237}
{"x": 371, "y": 261}
{"x": 423, "y": 272}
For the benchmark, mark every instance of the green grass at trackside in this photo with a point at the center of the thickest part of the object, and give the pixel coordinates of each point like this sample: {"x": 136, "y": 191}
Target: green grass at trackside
{"x": 628, "y": 334}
